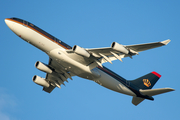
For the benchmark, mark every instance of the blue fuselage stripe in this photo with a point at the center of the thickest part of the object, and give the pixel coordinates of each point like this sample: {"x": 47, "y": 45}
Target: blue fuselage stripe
{"x": 125, "y": 82}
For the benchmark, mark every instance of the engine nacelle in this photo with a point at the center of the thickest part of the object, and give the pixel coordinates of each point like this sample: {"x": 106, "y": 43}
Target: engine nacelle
{"x": 40, "y": 81}
{"x": 80, "y": 51}
{"x": 41, "y": 66}
{"x": 119, "y": 47}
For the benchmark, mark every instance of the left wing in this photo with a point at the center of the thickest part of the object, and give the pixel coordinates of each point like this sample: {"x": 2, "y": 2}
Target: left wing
{"x": 143, "y": 47}
{"x": 116, "y": 51}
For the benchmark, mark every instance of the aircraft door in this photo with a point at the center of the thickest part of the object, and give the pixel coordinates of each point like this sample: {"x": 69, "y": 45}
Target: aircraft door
{"x": 25, "y": 23}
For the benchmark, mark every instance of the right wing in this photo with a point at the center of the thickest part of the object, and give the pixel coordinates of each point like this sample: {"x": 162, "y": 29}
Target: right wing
{"x": 57, "y": 77}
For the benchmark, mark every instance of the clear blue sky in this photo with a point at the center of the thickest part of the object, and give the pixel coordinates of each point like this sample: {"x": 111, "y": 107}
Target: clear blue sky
{"x": 90, "y": 24}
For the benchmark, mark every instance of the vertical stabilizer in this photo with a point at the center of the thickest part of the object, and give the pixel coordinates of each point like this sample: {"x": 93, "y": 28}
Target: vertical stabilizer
{"x": 146, "y": 81}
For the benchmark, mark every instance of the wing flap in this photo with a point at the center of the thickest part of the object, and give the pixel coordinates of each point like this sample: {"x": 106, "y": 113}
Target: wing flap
{"x": 49, "y": 89}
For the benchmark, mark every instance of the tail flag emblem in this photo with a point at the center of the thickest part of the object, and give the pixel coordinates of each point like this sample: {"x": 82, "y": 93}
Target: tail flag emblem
{"x": 147, "y": 83}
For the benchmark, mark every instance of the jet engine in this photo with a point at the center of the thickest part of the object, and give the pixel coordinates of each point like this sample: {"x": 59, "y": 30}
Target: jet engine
{"x": 43, "y": 67}
{"x": 40, "y": 81}
{"x": 119, "y": 47}
{"x": 80, "y": 51}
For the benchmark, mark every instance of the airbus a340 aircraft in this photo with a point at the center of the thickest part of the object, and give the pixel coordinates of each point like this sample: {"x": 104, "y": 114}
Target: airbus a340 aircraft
{"x": 66, "y": 61}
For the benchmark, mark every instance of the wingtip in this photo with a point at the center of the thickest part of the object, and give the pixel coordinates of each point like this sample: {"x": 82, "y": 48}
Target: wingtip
{"x": 165, "y": 42}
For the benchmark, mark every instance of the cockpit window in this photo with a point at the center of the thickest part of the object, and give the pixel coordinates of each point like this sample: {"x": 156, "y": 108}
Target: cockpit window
{"x": 17, "y": 19}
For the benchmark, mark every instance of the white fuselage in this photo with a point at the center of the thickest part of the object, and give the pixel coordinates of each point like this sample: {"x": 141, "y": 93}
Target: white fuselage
{"x": 68, "y": 62}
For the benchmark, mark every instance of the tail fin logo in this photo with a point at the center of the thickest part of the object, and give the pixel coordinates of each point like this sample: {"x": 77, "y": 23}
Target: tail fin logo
{"x": 147, "y": 83}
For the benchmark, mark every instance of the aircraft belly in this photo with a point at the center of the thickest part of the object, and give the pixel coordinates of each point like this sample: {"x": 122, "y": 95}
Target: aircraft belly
{"x": 71, "y": 65}
{"x": 113, "y": 84}
{"x": 79, "y": 58}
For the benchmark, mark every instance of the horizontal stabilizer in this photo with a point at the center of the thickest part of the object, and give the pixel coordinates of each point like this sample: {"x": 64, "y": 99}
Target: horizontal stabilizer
{"x": 152, "y": 92}
{"x": 137, "y": 100}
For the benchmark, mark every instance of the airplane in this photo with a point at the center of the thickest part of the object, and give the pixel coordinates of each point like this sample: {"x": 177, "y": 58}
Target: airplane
{"x": 66, "y": 61}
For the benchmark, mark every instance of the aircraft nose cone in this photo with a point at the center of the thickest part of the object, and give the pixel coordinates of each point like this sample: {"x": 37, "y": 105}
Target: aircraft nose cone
{"x": 9, "y": 23}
